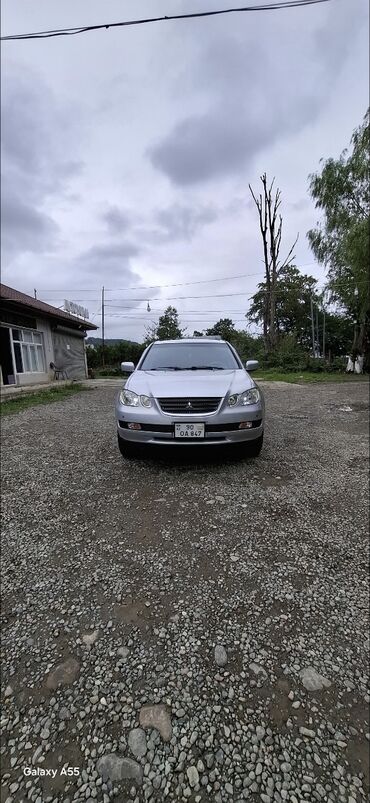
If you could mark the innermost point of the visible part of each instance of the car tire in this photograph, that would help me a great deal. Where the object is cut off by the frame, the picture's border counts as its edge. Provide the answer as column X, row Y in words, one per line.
column 126, row 448
column 253, row 448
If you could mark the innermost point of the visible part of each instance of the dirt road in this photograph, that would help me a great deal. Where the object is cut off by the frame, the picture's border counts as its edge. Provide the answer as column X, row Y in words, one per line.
column 224, row 601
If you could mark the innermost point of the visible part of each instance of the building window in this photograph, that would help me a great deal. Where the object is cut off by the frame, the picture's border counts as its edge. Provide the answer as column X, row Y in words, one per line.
column 28, row 351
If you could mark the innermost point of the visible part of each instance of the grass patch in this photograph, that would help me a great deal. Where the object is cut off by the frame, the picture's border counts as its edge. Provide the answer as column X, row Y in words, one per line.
column 273, row 375
column 25, row 400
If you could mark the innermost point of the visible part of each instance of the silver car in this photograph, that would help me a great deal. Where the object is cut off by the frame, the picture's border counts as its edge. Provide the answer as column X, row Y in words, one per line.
column 190, row 391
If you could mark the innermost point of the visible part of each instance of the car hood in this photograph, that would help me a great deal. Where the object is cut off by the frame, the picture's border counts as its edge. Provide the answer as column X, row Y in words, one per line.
column 189, row 383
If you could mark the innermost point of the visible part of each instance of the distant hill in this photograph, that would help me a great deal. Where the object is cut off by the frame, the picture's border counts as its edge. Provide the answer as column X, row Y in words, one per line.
column 97, row 341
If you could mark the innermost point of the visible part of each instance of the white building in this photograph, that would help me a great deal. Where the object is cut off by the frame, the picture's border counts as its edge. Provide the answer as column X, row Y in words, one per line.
column 35, row 337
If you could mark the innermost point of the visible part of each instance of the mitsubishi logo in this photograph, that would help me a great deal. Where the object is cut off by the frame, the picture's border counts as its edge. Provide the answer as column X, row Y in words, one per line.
column 189, row 405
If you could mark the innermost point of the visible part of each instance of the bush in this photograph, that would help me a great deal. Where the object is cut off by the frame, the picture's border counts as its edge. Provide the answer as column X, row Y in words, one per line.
column 288, row 356
column 108, row 370
column 337, row 364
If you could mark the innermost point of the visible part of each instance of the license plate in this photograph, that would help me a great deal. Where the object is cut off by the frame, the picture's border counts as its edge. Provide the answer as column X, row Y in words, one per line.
column 189, row 431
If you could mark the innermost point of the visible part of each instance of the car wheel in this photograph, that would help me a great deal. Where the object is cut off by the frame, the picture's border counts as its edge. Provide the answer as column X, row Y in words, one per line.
column 253, row 448
column 126, row 448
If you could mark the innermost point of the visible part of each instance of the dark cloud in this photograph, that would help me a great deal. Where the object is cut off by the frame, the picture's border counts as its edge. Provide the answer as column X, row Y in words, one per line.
column 36, row 166
column 300, row 205
column 209, row 146
column 183, row 222
column 107, row 264
column 251, row 98
column 25, row 225
column 108, row 257
column 81, row 278
column 116, row 220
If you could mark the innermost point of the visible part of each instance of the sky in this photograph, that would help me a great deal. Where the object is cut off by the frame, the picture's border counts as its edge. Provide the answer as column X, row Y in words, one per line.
column 127, row 153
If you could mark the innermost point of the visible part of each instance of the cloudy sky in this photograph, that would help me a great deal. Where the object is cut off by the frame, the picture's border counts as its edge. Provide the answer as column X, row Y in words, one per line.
column 127, row 153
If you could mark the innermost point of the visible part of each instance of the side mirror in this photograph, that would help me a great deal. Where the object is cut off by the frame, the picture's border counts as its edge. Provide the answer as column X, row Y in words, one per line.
column 251, row 365
column 127, row 367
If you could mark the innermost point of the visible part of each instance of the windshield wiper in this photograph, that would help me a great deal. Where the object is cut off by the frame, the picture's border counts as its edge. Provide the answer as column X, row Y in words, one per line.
column 188, row 368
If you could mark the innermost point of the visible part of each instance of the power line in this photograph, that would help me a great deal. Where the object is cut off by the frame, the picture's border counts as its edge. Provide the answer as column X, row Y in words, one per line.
column 159, row 286
column 339, row 282
column 145, row 21
column 174, row 298
column 185, row 284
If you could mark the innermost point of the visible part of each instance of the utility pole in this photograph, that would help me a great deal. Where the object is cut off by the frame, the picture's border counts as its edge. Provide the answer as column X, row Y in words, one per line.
column 317, row 330
column 102, row 326
column 323, row 336
column 313, row 329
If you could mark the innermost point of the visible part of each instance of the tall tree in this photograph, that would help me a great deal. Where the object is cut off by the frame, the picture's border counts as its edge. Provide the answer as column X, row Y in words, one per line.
column 340, row 240
column 168, row 327
column 268, row 204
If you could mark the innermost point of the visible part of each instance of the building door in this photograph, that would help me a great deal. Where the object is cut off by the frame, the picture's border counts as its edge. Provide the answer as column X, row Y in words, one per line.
column 6, row 359
column 69, row 353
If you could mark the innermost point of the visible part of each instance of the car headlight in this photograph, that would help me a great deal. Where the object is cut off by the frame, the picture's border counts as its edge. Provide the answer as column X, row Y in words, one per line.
column 251, row 396
column 130, row 399
column 146, row 401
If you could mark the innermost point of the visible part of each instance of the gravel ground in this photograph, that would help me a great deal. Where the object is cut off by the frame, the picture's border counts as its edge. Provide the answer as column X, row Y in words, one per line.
column 186, row 627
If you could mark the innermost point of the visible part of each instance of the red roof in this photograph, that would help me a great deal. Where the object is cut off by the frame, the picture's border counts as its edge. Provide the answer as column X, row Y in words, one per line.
column 9, row 294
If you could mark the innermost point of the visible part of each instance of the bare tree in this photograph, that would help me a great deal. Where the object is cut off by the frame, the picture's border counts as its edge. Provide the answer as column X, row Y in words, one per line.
column 271, row 225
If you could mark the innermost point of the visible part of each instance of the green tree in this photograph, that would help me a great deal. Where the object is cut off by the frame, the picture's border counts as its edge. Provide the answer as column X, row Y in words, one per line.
column 223, row 328
column 293, row 294
column 340, row 240
column 249, row 347
column 338, row 335
column 168, row 327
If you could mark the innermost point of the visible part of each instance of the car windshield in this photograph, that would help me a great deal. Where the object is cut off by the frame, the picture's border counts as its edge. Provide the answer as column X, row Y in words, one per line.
column 190, row 357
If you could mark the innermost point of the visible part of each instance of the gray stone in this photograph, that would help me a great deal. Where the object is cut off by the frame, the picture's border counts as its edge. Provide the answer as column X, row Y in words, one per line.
column 193, row 776
column 312, row 680
column 113, row 767
column 137, row 742
column 63, row 674
column 258, row 670
column 209, row 759
column 64, row 713
column 306, row 732
column 220, row 655
column 158, row 717
column 90, row 638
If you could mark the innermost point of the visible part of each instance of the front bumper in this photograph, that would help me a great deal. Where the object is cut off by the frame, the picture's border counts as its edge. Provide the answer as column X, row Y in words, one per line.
column 221, row 427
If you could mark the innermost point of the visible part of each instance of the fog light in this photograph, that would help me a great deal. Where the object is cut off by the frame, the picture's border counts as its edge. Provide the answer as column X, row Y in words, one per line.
column 246, row 425
column 133, row 426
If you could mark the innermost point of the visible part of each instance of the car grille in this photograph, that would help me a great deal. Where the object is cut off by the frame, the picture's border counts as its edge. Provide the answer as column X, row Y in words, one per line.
column 189, row 404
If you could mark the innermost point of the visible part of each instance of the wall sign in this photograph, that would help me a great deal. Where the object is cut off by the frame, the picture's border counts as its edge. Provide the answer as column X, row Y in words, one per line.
column 75, row 309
